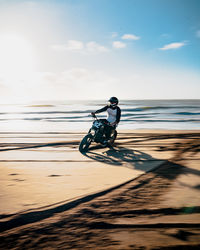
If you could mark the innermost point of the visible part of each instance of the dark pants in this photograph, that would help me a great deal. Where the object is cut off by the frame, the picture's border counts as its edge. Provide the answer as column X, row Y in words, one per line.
column 108, row 129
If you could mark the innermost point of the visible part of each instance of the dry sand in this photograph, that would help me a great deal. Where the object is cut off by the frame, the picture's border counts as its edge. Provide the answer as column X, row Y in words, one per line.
column 142, row 194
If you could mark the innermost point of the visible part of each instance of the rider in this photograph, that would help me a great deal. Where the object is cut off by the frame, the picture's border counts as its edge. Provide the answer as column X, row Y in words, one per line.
column 113, row 117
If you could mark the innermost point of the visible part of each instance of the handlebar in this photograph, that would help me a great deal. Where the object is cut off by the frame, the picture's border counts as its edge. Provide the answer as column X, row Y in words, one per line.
column 94, row 116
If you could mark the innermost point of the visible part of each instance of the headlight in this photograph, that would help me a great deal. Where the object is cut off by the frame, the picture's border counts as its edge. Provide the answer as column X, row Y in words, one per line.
column 92, row 132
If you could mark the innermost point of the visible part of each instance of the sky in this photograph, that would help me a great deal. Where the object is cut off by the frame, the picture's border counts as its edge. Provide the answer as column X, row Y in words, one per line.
column 93, row 49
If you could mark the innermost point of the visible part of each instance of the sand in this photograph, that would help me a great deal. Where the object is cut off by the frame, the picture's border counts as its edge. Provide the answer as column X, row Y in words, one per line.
column 144, row 193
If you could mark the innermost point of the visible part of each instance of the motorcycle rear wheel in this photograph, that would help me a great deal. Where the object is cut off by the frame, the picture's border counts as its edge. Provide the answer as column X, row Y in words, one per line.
column 85, row 143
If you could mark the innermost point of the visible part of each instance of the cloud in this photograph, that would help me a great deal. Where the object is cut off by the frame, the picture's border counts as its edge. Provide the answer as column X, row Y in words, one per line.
column 95, row 47
column 74, row 45
column 118, row 45
column 173, row 46
column 90, row 83
column 198, row 33
column 130, row 37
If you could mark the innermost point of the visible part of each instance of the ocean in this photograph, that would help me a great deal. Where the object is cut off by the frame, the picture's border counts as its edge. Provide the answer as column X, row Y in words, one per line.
column 65, row 116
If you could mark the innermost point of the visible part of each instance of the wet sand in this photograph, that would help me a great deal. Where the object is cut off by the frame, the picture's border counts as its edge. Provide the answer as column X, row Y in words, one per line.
column 141, row 194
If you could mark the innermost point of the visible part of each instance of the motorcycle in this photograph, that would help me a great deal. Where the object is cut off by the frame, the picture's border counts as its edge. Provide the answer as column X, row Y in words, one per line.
column 97, row 133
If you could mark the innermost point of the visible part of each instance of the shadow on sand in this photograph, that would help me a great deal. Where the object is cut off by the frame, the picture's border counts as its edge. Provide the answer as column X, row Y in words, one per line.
column 167, row 171
column 122, row 156
column 118, row 156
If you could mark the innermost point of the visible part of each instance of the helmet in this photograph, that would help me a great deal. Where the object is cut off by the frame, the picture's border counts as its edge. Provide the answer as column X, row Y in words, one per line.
column 113, row 101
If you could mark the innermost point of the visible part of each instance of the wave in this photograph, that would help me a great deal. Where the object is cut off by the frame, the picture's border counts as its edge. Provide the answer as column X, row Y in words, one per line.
column 125, row 111
column 40, row 106
column 159, row 107
column 161, row 120
column 71, row 121
column 84, row 119
column 139, row 115
column 48, row 118
column 49, row 112
column 187, row 113
column 134, row 113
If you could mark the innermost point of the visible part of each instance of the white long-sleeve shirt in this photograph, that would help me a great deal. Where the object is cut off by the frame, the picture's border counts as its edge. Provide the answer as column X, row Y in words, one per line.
column 114, row 114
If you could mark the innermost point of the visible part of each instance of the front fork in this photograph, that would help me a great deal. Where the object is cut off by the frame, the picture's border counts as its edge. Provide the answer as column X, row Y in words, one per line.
column 97, row 136
column 93, row 133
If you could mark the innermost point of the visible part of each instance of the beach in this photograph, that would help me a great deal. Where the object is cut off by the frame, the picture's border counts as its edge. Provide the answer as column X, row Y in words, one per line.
column 122, row 76
column 99, row 125
column 141, row 194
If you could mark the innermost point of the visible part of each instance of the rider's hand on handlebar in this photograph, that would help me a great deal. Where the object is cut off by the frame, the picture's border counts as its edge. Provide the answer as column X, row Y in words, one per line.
column 113, row 123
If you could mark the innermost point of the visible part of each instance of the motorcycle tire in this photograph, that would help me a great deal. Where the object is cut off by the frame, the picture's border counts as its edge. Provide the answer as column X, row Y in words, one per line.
column 85, row 143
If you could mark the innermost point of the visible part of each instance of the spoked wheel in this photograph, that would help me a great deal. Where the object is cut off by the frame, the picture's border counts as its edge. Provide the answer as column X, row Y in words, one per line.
column 85, row 143
column 113, row 137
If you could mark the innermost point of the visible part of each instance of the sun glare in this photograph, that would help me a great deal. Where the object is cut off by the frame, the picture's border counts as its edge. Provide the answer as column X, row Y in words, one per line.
column 17, row 61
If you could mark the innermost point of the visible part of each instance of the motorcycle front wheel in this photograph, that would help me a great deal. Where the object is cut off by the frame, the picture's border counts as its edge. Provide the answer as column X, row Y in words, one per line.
column 85, row 143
